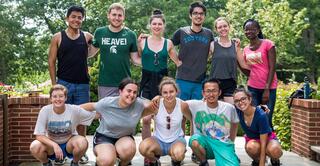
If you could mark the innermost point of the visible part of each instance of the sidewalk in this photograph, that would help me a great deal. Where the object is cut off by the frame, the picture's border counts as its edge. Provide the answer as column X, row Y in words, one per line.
column 288, row 158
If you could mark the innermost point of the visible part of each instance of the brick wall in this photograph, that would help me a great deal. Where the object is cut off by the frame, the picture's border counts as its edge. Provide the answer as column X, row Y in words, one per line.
column 305, row 126
column 1, row 132
column 23, row 114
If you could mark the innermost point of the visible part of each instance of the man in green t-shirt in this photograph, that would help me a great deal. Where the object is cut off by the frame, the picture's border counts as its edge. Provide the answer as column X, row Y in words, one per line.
column 118, row 44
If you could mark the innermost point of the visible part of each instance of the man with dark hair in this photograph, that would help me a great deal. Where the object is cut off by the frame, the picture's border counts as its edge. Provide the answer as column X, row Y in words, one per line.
column 216, row 124
column 194, row 42
column 69, row 49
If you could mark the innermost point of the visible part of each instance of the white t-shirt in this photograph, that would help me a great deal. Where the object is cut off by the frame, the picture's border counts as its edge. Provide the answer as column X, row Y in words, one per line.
column 61, row 127
column 213, row 122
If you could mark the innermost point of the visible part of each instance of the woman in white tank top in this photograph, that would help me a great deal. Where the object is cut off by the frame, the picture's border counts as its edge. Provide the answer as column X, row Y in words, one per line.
column 168, row 137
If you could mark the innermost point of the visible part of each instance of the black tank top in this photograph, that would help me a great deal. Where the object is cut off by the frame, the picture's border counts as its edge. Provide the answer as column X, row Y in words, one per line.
column 72, row 59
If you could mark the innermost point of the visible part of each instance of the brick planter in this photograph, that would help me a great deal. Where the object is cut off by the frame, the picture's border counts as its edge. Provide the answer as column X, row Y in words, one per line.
column 22, row 117
column 305, row 126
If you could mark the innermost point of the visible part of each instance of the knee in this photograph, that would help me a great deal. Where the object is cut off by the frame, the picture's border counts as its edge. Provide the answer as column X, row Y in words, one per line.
column 127, row 154
column 178, row 154
column 105, row 160
column 79, row 145
column 195, row 144
column 275, row 152
column 35, row 148
column 253, row 148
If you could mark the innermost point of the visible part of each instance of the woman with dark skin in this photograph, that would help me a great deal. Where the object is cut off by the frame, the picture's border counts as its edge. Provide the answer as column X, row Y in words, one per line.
column 260, row 58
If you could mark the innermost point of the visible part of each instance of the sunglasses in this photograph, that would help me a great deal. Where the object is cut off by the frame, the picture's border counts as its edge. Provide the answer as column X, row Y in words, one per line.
column 156, row 59
column 168, row 124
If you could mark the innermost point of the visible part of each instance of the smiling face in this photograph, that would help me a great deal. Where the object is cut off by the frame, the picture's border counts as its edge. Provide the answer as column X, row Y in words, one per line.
column 157, row 26
column 242, row 101
column 75, row 19
column 169, row 92
column 197, row 16
column 58, row 98
column 128, row 94
column 116, row 17
column 222, row 27
column 211, row 92
column 251, row 30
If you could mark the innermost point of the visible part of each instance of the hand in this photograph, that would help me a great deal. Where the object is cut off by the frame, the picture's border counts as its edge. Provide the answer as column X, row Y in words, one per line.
column 179, row 63
column 237, row 42
column 265, row 96
column 265, row 108
column 142, row 36
column 58, row 151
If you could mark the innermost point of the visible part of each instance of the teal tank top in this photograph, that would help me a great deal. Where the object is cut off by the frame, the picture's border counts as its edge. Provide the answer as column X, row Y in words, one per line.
column 154, row 61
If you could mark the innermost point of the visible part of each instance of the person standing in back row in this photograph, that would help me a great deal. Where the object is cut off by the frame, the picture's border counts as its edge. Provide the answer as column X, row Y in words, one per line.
column 71, row 48
column 194, row 42
column 118, row 44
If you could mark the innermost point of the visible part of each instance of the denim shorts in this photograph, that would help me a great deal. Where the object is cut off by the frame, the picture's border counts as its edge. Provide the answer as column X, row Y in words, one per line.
column 165, row 147
column 77, row 93
column 64, row 150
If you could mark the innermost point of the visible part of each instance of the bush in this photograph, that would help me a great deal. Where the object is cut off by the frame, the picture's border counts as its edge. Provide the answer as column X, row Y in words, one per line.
column 282, row 116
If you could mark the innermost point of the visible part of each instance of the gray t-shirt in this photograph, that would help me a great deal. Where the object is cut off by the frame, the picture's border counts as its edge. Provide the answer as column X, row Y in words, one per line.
column 193, row 52
column 213, row 122
column 117, row 122
column 60, row 127
column 224, row 62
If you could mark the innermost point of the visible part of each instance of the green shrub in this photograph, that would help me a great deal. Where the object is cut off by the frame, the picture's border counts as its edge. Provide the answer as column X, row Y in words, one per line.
column 282, row 116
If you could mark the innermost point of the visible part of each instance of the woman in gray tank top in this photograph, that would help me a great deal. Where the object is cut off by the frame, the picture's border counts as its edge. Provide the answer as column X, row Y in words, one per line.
column 224, row 53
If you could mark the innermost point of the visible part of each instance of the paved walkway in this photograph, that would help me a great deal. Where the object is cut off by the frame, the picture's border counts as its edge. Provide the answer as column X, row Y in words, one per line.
column 288, row 158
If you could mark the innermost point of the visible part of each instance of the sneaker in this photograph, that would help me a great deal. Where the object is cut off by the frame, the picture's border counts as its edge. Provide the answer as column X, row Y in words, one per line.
column 47, row 164
column 146, row 162
column 130, row 163
column 255, row 163
column 84, row 159
column 156, row 163
column 204, row 163
column 60, row 162
column 275, row 162
column 175, row 163
column 195, row 159
column 73, row 164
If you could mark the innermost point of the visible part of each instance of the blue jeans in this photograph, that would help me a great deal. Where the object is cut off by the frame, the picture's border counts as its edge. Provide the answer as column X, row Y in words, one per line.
column 189, row 90
column 77, row 93
column 257, row 100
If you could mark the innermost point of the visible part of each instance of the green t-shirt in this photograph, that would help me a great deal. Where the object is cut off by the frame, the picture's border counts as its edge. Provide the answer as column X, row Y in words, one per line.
column 115, row 48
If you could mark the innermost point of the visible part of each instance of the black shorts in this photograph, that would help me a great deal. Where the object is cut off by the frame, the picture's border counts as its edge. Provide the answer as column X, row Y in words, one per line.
column 99, row 138
column 227, row 86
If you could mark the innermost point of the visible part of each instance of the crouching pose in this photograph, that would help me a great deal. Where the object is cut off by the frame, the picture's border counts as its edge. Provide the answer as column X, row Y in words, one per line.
column 55, row 130
column 168, row 138
column 119, row 117
column 260, row 140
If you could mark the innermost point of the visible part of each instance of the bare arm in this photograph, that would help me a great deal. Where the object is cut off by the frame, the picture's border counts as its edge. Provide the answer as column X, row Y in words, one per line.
column 272, row 70
column 136, row 59
column 56, row 148
column 92, row 50
column 173, row 53
column 186, row 111
column 211, row 50
column 151, row 107
column 233, row 131
column 240, row 56
column 88, row 106
column 52, row 58
column 263, row 145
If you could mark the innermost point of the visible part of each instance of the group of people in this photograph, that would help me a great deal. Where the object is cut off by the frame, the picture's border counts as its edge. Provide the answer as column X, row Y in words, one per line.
column 213, row 105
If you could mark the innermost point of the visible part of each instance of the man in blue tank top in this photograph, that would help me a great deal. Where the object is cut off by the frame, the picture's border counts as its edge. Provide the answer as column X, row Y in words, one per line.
column 69, row 49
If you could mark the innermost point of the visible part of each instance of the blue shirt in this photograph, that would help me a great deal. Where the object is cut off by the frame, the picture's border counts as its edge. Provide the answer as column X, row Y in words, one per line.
column 259, row 125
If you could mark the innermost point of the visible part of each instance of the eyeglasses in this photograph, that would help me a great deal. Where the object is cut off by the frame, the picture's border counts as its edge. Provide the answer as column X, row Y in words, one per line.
column 242, row 99
column 168, row 124
column 156, row 59
column 212, row 91
column 197, row 14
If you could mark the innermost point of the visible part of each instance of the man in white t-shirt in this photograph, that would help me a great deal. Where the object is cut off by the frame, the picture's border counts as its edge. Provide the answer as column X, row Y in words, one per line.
column 55, row 130
column 215, row 127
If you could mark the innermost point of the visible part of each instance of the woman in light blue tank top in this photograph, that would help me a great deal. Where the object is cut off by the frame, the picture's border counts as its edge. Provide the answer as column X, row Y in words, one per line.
column 168, row 137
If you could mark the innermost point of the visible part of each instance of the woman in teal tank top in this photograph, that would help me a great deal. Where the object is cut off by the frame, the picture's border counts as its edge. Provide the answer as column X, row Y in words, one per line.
column 154, row 51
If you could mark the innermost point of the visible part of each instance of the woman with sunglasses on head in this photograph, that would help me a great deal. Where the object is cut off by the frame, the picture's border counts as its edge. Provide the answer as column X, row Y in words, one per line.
column 168, row 138
column 119, row 117
column 154, row 51
column 260, row 58
column 260, row 140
